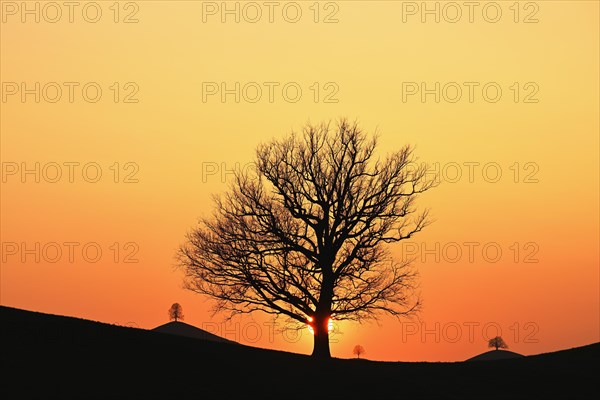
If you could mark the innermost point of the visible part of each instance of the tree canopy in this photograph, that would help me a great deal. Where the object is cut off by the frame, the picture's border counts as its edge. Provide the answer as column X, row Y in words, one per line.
column 498, row 343
column 305, row 234
column 175, row 312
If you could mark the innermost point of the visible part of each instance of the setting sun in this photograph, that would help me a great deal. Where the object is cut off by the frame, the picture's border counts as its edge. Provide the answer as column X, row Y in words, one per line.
column 311, row 330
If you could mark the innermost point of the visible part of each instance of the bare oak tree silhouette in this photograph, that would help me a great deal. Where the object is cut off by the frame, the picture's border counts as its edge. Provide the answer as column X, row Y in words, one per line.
column 304, row 234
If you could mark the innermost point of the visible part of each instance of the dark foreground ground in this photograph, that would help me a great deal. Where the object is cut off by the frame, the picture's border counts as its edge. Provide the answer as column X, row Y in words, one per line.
column 47, row 356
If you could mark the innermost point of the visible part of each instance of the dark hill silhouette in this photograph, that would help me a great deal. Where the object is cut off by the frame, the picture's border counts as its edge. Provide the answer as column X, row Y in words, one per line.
column 183, row 329
column 495, row 355
column 49, row 356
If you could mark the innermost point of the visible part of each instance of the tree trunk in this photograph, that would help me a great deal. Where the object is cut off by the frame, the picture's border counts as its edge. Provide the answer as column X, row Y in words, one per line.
column 322, row 315
column 321, row 337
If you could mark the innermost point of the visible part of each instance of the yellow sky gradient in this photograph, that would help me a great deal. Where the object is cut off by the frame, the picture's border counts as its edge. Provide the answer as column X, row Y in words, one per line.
column 546, row 200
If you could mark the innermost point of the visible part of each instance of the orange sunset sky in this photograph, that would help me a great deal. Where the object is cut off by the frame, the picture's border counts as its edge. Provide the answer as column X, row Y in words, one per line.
column 119, row 120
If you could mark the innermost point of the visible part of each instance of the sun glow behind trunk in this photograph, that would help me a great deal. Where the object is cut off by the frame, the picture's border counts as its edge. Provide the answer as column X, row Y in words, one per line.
column 312, row 331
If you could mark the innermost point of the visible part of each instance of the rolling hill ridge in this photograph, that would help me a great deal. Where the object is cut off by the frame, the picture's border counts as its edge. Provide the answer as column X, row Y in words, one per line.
column 53, row 356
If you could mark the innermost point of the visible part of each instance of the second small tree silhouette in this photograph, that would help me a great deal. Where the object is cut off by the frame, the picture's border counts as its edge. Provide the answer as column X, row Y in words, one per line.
column 358, row 350
column 176, row 312
column 498, row 343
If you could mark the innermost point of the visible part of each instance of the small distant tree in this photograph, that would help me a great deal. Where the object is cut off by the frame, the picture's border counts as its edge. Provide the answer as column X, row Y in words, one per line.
column 176, row 312
column 498, row 343
column 358, row 350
